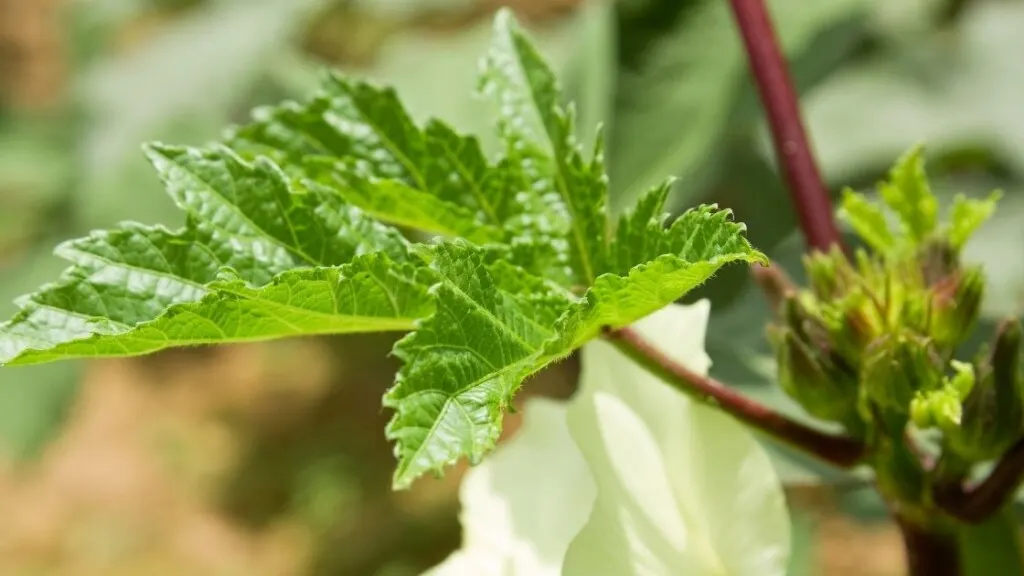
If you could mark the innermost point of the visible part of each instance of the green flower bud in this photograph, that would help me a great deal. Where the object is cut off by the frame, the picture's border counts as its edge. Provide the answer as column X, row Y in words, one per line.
column 896, row 367
column 955, row 305
column 993, row 411
column 810, row 371
column 938, row 259
column 854, row 325
column 830, row 274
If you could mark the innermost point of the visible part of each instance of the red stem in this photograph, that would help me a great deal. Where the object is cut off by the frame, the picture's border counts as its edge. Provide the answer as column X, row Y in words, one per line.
column 929, row 553
column 792, row 148
column 840, row 451
column 981, row 501
column 978, row 502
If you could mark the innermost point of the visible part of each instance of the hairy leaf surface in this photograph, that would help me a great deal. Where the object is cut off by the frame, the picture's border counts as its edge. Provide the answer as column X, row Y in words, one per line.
column 655, row 266
column 868, row 220
column 463, row 364
column 359, row 139
column 495, row 325
column 288, row 234
column 968, row 214
column 909, row 195
column 541, row 137
column 255, row 261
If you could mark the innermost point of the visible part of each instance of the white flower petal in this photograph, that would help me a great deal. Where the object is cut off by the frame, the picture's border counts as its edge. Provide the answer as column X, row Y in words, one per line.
column 682, row 489
column 678, row 331
column 526, row 502
column 635, row 528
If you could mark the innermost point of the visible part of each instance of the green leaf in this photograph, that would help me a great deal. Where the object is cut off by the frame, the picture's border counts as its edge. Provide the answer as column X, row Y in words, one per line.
column 1004, row 285
column 397, row 203
column 463, row 364
column 257, row 260
column 868, row 220
column 253, row 207
column 968, row 214
column 283, row 238
column 360, row 140
column 495, row 325
column 908, row 194
column 641, row 225
column 133, row 306
column 541, row 136
column 656, row 268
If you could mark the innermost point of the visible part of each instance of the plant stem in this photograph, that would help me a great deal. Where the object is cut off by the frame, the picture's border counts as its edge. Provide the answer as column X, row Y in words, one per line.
column 929, row 553
column 978, row 503
column 840, row 451
column 792, row 148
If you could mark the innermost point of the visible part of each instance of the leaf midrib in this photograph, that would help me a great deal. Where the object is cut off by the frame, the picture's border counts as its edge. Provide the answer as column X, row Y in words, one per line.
column 147, row 271
column 409, row 323
column 563, row 187
column 474, row 186
column 262, row 233
column 398, row 154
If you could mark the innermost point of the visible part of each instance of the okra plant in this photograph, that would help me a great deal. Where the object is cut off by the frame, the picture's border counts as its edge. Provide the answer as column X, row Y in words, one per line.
column 340, row 214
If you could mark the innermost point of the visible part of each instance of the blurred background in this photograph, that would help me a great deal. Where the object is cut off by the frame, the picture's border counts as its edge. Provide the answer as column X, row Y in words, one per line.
column 270, row 459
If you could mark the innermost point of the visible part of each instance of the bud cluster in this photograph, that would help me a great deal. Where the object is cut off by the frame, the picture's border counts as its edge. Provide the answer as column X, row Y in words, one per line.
column 870, row 342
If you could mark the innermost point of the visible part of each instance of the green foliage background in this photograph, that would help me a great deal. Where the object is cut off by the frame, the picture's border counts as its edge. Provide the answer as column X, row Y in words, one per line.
column 666, row 78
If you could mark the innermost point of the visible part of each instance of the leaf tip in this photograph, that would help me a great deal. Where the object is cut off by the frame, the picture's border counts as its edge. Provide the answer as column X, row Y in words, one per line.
column 156, row 149
column 401, row 480
column 505, row 20
column 758, row 257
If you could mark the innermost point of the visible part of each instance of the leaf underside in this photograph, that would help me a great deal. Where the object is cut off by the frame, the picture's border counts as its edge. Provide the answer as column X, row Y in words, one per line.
column 291, row 231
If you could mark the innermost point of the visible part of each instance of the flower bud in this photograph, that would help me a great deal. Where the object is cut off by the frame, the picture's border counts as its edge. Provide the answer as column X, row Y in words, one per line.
column 830, row 274
column 955, row 305
column 855, row 325
column 896, row 367
column 938, row 259
column 993, row 411
column 810, row 371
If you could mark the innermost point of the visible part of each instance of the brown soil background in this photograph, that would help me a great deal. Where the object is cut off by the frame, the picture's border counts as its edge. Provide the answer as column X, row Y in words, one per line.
column 185, row 463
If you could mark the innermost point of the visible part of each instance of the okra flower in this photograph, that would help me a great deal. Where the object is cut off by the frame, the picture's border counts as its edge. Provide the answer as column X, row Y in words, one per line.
column 629, row 477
